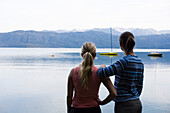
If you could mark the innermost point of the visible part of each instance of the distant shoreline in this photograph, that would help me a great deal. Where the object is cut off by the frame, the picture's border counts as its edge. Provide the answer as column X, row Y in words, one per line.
column 78, row 50
column 33, row 39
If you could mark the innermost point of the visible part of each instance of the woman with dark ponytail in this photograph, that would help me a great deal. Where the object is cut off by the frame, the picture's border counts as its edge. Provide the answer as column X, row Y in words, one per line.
column 127, row 42
column 128, row 73
column 85, row 83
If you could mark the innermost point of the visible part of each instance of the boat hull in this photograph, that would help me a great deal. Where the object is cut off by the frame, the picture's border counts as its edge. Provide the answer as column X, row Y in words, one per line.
column 155, row 54
column 111, row 53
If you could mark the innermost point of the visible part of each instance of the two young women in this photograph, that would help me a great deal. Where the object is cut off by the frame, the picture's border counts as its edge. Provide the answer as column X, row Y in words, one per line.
column 85, row 81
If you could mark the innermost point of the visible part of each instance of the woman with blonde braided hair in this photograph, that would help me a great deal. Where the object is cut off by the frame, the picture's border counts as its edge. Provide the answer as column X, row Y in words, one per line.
column 85, row 83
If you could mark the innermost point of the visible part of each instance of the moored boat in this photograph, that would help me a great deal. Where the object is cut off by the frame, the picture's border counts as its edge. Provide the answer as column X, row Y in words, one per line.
column 155, row 54
column 110, row 53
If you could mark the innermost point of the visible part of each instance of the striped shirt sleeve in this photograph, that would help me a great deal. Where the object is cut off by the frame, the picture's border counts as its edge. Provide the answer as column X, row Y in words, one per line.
column 113, row 69
column 140, row 82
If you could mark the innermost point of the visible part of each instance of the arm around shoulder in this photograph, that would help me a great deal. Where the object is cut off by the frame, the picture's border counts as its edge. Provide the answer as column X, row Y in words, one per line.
column 104, row 71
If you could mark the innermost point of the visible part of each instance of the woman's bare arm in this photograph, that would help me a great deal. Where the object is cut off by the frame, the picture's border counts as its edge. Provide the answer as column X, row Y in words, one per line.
column 70, row 87
column 112, row 91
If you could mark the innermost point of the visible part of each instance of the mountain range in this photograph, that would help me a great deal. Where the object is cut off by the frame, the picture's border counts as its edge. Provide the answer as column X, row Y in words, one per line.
column 75, row 39
column 118, row 31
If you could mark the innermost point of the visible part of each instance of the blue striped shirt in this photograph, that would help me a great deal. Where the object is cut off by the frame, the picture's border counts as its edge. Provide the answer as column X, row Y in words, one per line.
column 128, row 73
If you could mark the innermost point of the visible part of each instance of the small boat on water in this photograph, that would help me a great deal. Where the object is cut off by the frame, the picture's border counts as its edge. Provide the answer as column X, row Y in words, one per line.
column 110, row 53
column 155, row 54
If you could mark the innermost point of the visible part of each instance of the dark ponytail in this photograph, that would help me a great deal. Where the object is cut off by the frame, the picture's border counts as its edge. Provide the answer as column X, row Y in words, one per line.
column 127, row 42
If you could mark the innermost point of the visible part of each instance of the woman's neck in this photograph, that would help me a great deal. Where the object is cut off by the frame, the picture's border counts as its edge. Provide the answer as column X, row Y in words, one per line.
column 130, row 53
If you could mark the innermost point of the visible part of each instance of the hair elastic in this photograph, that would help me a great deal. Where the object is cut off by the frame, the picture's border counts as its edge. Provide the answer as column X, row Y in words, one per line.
column 93, row 54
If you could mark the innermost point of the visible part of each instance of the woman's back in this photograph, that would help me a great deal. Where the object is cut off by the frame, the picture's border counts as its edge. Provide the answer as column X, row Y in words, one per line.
column 85, row 98
column 129, row 80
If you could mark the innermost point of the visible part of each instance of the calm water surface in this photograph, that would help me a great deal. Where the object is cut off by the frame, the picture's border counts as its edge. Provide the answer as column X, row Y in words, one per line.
column 31, row 81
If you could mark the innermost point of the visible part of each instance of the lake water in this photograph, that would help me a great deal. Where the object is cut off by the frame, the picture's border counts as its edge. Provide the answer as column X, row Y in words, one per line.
column 32, row 81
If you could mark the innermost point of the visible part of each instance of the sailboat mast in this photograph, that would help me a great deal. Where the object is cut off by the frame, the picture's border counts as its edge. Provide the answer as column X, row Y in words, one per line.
column 110, row 53
column 111, row 37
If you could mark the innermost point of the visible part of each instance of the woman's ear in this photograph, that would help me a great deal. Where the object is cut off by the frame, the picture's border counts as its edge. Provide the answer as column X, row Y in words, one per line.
column 120, row 44
column 81, row 54
column 121, row 47
column 94, row 55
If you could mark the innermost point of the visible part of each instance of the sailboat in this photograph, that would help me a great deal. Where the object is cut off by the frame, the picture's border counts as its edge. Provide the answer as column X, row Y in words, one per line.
column 155, row 54
column 110, row 53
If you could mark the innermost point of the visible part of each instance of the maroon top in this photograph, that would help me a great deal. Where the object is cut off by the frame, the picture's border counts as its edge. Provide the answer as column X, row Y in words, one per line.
column 85, row 98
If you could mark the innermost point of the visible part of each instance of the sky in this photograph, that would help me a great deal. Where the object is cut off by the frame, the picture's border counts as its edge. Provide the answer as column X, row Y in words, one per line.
column 83, row 14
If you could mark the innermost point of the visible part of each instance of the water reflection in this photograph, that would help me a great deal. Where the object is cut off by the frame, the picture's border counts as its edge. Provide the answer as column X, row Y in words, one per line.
column 35, row 82
column 111, row 57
